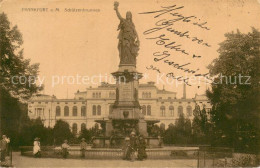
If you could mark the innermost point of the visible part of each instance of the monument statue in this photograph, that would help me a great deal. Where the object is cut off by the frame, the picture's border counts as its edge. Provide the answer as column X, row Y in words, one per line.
column 128, row 44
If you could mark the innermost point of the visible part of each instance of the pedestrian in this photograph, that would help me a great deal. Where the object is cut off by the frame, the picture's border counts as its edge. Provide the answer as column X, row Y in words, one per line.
column 8, row 145
column 83, row 147
column 125, row 147
column 65, row 149
column 37, row 148
column 3, row 147
column 141, row 146
column 131, row 149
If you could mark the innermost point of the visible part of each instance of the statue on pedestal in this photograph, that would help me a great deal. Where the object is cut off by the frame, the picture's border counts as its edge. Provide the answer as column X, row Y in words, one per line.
column 128, row 45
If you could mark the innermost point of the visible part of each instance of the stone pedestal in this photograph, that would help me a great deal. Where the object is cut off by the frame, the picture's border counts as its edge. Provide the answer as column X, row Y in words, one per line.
column 126, row 106
column 109, row 128
column 126, row 115
column 142, row 125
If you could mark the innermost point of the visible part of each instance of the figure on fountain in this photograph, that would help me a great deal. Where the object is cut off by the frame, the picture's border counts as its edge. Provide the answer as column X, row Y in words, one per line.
column 128, row 44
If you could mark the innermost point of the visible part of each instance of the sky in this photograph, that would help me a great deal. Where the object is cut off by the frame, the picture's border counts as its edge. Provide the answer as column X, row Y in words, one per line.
column 70, row 45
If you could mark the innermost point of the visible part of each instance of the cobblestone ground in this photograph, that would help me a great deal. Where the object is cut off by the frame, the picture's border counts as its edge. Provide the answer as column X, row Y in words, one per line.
column 21, row 161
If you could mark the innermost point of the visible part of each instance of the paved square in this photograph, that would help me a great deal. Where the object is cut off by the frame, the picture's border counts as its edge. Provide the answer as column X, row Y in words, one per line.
column 22, row 161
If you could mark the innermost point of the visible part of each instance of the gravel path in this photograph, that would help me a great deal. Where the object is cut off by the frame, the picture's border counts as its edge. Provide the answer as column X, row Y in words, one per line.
column 21, row 161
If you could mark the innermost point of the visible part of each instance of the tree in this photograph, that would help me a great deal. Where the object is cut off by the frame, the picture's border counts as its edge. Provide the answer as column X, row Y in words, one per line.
column 169, row 137
column 88, row 134
column 179, row 133
column 61, row 132
column 183, row 130
column 32, row 129
column 201, row 128
column 13, row 65
column 235, row 91
column 14, row 93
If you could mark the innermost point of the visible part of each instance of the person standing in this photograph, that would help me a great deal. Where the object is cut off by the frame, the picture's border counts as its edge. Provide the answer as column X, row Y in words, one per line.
column 83, row 147
column 131, row 149
column 125, row 147
column 141, row 146
column 65, row 149
column 3, row 148
column 36, row 148
column 8, row 145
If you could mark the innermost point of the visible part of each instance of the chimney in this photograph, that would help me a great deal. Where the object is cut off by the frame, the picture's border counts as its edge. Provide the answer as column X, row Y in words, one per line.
column 184, row 91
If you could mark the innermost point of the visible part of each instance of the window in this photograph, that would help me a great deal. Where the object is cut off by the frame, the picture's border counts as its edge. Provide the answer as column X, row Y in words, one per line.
column 98, row 110
column 74, row 128
column 83, row 110
column 111, row 109
column 149, row 110
column 74, row 111
column 58, row 111
column 146, row 95
column 171, row 110
column 96, row 95
column 66, row 111
column 189, row 111
column 39, row 112
column 83, row 126
column 112, row 95
column 180, row 110
column 94, row 110
column 144, row 110
column 162, row 108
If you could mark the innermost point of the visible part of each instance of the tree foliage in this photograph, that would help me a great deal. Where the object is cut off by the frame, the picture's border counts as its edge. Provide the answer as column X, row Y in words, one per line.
column 180, row 132
column 13, row 64
column 235, row 91
column 61, row 132
column 201, row 126
column 32, row 129
column 13, row 94
column 88, row 134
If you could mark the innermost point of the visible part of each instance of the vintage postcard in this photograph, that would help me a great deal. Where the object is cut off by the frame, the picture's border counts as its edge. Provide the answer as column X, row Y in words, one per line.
column 129, row 83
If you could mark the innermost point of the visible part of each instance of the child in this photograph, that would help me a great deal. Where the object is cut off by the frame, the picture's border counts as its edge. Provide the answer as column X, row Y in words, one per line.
column 36, row 148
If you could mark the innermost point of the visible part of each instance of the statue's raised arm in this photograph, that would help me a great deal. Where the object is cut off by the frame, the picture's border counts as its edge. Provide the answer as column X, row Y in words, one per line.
column 116, row 4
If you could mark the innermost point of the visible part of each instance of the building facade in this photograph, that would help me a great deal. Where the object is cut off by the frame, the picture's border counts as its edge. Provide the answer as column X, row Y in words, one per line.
column 96, row 104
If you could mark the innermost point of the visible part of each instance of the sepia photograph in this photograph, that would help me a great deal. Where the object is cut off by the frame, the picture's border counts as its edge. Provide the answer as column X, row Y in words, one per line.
column 130, row 83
